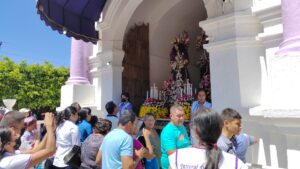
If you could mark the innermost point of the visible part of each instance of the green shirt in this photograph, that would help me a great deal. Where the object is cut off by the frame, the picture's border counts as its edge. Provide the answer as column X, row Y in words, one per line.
column 172, row 138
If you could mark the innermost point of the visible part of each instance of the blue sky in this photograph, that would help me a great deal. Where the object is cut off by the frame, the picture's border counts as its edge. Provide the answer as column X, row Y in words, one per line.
column 26, row 37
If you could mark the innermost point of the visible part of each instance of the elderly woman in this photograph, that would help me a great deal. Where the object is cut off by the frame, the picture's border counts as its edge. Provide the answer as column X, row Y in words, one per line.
column 92, row 143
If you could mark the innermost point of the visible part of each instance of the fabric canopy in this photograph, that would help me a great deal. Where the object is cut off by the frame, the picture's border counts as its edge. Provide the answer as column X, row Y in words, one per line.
column 75, row 18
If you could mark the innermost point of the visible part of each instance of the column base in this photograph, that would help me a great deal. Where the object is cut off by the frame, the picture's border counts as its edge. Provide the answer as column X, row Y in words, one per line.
column 289, row 46
column 78, row 80
column 83, row 94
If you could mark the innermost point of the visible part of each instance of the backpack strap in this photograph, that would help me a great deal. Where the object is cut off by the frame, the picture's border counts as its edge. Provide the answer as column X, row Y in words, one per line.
column 176, row 157
column 236, row 162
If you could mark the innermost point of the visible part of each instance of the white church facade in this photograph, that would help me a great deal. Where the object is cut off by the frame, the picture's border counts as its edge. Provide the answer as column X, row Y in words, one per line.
column 253, row 63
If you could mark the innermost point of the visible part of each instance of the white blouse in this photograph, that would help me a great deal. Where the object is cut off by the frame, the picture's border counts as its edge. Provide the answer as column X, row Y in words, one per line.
column 15, row 161
column 196, row 158
column 67, row 135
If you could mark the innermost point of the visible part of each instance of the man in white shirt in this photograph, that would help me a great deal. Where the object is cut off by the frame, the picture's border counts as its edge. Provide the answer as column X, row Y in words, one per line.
column 112, row 111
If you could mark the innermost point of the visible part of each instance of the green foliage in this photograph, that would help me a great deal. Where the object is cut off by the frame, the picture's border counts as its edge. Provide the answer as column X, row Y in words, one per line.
column 34, row 86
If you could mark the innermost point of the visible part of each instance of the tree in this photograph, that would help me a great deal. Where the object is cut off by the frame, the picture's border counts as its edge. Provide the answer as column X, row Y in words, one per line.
column 36, row 86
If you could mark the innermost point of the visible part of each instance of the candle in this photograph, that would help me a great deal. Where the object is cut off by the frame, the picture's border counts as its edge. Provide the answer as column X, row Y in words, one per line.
column 159, row 95
column 155, row 92
column 147, row 94
column 151, row 92
column 195, row 90
column 180, row 92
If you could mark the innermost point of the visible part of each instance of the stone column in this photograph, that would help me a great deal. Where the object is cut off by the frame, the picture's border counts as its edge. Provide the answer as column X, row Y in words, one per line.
column 78, row 87
column 78, row 63
column 291, row 25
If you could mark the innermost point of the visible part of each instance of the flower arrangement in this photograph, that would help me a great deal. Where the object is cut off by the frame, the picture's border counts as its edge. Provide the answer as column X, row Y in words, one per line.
column 158, row 112
column 153, row 106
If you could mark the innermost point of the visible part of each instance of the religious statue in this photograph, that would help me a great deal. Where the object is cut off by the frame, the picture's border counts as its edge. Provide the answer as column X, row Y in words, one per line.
column 179, row 58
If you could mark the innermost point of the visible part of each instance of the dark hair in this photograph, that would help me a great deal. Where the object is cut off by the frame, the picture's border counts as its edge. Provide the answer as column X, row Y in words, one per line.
column 126, row 117
column 82, row 114
column 146, row 115
column 94, row 120
column 11, row 118
column 66, row 114
column 103, row 126
column 89, row 110
column 76, row 105
column 125, row 94
column 208, row 128
column 5, row 137
column 110, row 106
column 230, row 114
column 201, row 90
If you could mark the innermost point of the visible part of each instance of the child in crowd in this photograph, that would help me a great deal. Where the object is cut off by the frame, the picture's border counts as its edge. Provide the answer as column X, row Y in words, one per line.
column 30, row 135
column 231, row 127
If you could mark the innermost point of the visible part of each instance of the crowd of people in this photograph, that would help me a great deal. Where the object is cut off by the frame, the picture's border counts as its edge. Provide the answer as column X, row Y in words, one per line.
column 122, row 140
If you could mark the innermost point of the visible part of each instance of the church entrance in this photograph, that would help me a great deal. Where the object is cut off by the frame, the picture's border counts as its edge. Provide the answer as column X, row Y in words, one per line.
column 135, row 77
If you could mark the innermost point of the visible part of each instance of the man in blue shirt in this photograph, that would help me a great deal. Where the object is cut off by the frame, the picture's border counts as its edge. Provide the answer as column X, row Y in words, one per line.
column 116, row 150
column 125, row 104
column 84, row 126
column 197, row 105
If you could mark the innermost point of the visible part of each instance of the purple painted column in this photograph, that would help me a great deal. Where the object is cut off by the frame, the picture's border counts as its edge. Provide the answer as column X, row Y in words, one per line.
column 291, row 27
column 88, row 51
column 78, row 63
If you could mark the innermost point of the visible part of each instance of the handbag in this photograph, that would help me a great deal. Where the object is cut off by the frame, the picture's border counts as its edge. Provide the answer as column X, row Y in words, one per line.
column 73, row 158
column 48, row 164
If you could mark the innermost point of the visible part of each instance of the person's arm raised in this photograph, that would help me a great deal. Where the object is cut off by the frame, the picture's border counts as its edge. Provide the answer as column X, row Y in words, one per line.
column 149, row 152
column 50, row 147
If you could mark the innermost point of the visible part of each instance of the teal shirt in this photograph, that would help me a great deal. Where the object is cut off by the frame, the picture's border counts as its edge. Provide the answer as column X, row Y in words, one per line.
column 172, row 138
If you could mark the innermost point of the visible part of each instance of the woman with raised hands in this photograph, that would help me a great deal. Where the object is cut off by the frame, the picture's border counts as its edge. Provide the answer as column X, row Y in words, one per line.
column 12, row 159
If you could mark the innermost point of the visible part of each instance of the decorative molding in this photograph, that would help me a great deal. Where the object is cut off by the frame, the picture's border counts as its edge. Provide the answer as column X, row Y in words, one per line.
column 107, row 69
column 237, row 24
column 233, row 43
column 274, row 112
column 271, row 41
column 109, row 12
column 270, row 16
